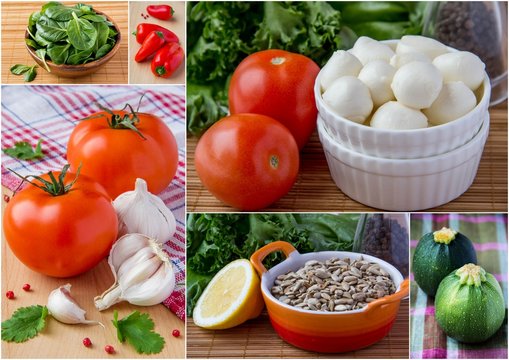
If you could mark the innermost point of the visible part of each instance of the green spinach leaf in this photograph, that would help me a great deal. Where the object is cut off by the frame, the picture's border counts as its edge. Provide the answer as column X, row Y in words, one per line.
column 32, row 43
column 50, row 29
column 62, row 13
column 79, row 57
column 41, row 53
column 58, row 53
column 103, row 50
column 30, row 74
column 19, row 69
column 50, row 5
column 102, row 35
column 82, row 34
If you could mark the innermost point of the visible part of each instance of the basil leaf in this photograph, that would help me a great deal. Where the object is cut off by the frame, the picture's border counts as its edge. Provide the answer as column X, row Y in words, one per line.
column 59, row 53
column 19, row 69
column 41, row 53
column 50, row 29
column 82, row 34
column 103, row 50
column 31, row 74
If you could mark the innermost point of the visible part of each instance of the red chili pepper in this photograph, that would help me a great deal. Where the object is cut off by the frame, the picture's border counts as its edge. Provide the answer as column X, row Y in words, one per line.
column 153, row 42
column 162, row 12
column 143, row 29
column 167, row 60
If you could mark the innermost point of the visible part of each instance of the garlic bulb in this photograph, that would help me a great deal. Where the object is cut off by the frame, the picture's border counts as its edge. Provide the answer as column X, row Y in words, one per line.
column 143, row 273
column 141, row 212
column 65, row 309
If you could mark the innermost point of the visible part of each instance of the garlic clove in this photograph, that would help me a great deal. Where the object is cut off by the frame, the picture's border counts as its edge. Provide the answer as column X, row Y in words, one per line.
column 137, row 294
column 139, row 211
column 145, row 278
column 124, row 249
column 63, row 307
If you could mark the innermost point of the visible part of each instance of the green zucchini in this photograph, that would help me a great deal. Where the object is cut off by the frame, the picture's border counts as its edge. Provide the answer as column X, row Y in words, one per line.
column 469, row 305
column 437, row 254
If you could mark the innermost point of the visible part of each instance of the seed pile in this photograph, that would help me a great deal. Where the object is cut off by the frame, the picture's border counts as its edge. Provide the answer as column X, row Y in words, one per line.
column 333, row 285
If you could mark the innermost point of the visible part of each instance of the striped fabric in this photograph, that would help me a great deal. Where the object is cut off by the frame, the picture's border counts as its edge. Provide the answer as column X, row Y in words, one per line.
column 488, row 232
column 30, row 113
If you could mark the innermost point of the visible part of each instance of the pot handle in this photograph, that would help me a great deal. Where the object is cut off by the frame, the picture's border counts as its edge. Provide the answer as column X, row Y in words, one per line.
column 397, row 296
column 259, row 255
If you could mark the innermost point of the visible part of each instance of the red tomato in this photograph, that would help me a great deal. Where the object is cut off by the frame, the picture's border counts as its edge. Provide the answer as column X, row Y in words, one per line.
column 115, row 157
column 63, row 235
column 278, row 84
column 248, row 161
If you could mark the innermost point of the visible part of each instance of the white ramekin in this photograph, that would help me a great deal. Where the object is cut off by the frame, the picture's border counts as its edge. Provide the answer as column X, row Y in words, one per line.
column 405, row 144
column 404, row 184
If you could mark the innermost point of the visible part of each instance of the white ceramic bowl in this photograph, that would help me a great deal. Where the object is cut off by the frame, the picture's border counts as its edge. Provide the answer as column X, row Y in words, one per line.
column 404, row 184
column 405, row 144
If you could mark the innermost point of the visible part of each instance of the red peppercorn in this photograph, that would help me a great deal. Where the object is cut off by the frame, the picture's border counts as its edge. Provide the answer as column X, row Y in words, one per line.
column 6, row 198
column 87, row 342
column 175, row 333
column 26, row 287
column 109, row 349
column 10, row 294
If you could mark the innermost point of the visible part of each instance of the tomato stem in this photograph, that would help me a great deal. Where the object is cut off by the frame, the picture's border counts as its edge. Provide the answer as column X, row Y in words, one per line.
column 117, row 121
column 55, row 187
column 274, row 161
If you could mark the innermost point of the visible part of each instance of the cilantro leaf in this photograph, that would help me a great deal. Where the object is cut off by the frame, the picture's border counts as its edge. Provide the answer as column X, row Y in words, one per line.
column 25, row 323
column 23, row 150
column 138, row 329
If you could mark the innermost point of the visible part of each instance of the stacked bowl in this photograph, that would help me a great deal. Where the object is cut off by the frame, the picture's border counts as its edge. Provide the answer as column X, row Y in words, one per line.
column 404, row 170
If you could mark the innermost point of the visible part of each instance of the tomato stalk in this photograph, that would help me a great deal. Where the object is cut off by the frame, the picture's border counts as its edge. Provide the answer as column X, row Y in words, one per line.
column 126, row 121
column 55, row 187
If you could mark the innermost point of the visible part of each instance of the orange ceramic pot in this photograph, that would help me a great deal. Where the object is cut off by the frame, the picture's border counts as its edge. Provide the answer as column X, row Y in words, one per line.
column 327, row 331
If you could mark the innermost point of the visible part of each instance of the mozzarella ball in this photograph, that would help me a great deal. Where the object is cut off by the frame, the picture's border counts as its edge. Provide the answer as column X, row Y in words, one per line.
column 377, row 75
column 340, row 64
column 454, row 101
column 402, row 59
column 417, row 84
column 366, row 49
column 416, row 43
column 349, row 98
column 461, row 66
column 396, row 116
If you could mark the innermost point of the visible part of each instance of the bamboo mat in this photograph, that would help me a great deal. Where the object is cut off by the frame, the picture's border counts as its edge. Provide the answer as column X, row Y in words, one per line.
column 315, row 190
column 256, row 339
column 14, row 21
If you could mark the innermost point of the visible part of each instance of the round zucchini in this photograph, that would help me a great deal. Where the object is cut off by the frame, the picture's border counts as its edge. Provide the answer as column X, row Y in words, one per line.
column 437, row 254
column 469, row 305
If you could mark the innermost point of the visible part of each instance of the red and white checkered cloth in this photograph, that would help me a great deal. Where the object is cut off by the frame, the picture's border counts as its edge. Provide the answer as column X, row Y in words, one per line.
column 30, row 113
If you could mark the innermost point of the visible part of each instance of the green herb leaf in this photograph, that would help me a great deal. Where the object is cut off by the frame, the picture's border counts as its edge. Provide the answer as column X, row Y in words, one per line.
column 25, row 323
column 23, row 150
column 30, row 74
column 19, row 69
column 138, row 329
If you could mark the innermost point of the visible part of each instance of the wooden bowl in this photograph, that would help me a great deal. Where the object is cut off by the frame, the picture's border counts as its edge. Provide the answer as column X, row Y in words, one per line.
column 74, row 71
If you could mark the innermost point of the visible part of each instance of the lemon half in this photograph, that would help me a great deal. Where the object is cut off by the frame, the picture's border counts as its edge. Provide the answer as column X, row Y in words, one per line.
column 232, row 297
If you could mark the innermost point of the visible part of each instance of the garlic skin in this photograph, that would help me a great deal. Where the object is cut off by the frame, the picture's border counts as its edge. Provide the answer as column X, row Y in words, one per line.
column 141, row 212
column 143, row 273
column 65, row 309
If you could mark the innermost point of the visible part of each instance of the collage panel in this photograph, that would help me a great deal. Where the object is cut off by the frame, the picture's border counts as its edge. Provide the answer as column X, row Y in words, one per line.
column 85, row 176
column 168, row 64
column 458, row 303
column 43, row 43
column 297, row 285
column 392, row 133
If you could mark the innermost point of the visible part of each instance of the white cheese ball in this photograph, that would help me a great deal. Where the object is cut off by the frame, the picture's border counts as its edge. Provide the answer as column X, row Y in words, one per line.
column 396, row 116
column 454, row 101
column 417, row 84
column 349, row 98
column 402, row 59
column 416, row 43
column 377, row 75
column 366, row 49
column 340, row 64
column 461, row 66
